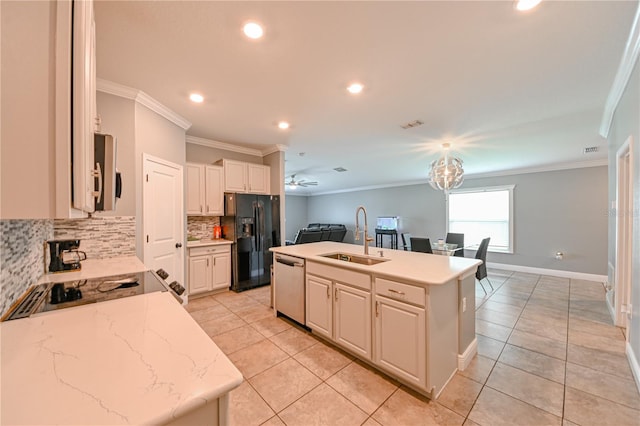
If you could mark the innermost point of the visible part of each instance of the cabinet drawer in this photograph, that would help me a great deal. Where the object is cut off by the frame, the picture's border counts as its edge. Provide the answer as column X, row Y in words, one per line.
column 201, row 251
column 345, row 276
column 399, row 291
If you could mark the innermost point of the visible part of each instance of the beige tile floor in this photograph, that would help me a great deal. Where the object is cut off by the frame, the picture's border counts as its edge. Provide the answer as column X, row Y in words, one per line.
column 547, row 355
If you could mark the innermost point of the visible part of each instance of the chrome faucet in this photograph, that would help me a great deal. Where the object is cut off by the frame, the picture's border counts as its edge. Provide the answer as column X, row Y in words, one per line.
column 367, row 238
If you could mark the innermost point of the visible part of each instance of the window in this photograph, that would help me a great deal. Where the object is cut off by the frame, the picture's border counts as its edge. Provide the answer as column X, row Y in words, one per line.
column 479, row 213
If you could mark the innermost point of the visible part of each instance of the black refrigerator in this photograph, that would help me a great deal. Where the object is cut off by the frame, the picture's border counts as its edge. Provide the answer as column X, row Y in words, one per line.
column 252, row 222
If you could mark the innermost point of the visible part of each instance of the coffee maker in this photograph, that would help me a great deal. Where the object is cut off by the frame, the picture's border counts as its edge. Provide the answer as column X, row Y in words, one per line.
column 64, row 255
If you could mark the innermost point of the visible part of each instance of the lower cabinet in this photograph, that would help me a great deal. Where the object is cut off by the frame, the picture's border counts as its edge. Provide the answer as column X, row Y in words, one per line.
column 209, row 268
column 400, row 339
column 338, row 311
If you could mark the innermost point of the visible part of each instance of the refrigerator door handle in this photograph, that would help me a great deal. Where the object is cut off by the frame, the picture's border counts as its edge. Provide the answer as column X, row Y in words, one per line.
column 262, row 224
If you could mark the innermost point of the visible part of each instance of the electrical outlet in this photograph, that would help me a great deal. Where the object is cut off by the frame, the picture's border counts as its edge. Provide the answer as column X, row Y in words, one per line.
column 464, row 304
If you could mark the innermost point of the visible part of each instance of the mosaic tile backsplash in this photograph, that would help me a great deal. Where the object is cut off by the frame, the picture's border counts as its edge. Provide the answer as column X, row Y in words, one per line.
column 21, row 256
column 101, row 237
column 201, row 227
column 22, row 250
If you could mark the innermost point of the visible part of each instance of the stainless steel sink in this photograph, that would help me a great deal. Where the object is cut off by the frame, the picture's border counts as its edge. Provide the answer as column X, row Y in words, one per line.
column 354, row 258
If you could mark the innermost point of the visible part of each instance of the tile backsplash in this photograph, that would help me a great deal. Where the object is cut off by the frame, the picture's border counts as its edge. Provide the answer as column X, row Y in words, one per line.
column 101, row 237
column 22, row 253
column 21, row 256
column 201, row 227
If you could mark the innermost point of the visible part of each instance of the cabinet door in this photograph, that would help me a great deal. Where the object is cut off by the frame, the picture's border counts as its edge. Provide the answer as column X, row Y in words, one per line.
column 235, row 176
column 214, row 191
column 258, row 178
column 195, row 189
column 221, row 271
column 400, row 340
column 319, row 305
column 353, row 319
column 200, row 274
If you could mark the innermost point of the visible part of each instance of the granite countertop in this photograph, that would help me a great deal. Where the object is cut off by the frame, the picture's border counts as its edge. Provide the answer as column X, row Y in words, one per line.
column 202, row 243
column 136, row 360
column 419, row 268
column 94, row 268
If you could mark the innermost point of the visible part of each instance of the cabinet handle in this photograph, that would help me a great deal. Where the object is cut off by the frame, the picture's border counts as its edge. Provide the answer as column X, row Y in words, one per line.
column 207, row 262
column 214, row 261
column 336, row 294
column 201, row 208
column 377, row 308
column 207, row 208
column 396, row 291
column 328, row 295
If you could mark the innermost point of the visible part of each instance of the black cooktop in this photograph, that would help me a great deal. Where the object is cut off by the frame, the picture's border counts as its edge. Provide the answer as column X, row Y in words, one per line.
column 52, row 296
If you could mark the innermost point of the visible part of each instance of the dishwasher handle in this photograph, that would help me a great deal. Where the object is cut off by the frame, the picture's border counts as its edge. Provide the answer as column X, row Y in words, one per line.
column 289, row 262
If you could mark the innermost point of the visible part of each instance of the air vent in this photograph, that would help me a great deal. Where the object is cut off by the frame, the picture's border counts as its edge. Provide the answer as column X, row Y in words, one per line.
column 590, row 150
column 340, row 169
column 414, row 123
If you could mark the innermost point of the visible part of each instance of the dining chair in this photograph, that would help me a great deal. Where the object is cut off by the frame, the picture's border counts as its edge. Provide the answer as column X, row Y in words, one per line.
column 421, row 244
column 406, row 241
column 454, row 238
column 481, row 272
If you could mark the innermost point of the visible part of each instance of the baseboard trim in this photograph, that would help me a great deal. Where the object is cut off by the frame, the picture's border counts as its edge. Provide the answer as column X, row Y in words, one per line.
column 610, row 308
column 633, row 363
column 465, row 359
column 552, row 272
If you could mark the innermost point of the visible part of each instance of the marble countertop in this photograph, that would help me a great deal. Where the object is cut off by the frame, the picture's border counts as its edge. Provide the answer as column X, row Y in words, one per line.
column 202, row 243
column 136, row 360
column 419, row 268
column 94, row 268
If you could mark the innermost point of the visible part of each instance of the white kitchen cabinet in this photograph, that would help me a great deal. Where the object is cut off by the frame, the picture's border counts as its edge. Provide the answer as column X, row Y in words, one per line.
column 339, row 306
column 319, row 305
column 205, row 192
column 38, row 127
column 246, row 177
column 209, row 268
column 353, row 319
column 400, row 332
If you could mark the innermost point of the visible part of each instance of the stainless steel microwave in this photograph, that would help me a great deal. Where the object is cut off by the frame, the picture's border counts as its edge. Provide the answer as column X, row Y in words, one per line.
column 108, row 183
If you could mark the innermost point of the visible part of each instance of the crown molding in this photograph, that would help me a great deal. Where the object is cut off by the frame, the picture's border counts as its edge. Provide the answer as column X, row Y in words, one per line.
column 142, row 98
column 511, row 172
column 627, row 63
column 274, row 148
column 222, row 145
column 541, row 169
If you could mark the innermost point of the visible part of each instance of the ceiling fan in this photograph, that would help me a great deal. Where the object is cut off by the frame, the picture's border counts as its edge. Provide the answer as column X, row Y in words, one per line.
column 293, row 183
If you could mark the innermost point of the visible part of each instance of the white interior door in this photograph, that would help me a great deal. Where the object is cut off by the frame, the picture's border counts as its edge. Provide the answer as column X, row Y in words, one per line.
column 624, row 231
column 163, row 217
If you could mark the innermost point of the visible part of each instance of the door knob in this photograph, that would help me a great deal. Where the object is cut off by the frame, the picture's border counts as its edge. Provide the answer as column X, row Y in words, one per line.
column 178, row 245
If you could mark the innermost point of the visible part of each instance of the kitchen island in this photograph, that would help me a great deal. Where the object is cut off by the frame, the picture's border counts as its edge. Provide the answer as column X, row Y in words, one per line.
column 409, row 314
column 135, row 360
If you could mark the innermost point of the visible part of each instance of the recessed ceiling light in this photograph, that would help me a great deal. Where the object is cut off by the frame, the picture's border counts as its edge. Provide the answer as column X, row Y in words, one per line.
column 195, row 97
column 283, row 125
column 253, row 30
column 523, row 5
column 355, row 88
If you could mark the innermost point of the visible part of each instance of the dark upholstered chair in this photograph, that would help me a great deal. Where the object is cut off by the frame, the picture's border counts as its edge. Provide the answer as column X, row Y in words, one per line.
column 453, row 238
column 421, row 244
column 481, row 273
column 406, row 241
column 308, row 237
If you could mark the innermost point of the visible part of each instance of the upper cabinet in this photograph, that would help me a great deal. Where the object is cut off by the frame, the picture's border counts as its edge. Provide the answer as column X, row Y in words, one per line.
column 246, row 177
column 48, row 47
column 205, row 191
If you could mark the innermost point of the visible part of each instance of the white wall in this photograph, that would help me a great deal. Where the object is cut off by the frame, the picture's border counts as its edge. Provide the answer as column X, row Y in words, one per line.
column 296, row 215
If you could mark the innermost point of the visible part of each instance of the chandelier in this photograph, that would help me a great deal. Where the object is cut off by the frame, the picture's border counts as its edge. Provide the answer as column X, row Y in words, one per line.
column 446, row 173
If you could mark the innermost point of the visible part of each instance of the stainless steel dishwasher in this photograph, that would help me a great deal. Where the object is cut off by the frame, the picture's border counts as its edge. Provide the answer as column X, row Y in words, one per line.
column 289, row 287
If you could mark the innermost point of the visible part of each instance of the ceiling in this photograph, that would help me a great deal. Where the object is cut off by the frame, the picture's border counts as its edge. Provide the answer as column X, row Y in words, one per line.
column 509, row 90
